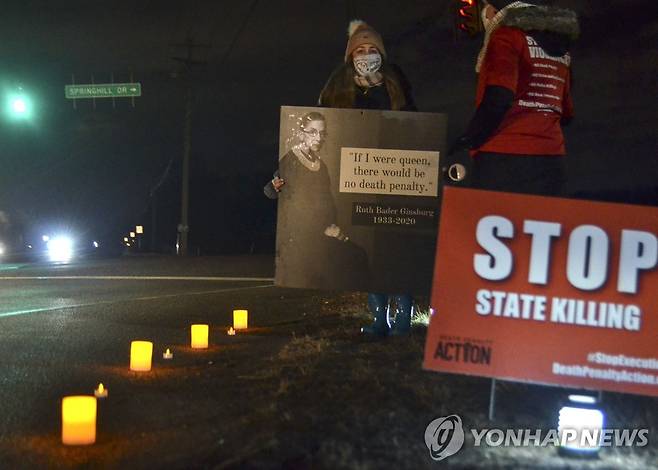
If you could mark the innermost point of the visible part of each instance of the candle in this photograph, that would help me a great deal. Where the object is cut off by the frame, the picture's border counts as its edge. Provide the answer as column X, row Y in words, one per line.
column 141, row 353
column 231, row 332
column 78, row 420
column 199, row 336
column 101, row 391
column 167, row 354
column 240, row 319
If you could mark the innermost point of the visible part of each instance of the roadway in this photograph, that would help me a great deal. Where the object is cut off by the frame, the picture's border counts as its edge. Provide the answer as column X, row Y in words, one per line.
column 66, row 327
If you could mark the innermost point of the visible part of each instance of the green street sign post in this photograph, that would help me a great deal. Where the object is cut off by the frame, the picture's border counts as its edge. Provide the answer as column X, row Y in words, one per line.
column 103, row 90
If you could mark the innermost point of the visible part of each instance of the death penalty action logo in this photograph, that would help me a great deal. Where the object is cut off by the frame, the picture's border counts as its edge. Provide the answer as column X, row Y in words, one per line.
column 444, row 437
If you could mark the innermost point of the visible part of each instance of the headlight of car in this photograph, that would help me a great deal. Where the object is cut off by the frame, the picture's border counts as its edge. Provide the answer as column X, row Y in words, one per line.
column 60, row 249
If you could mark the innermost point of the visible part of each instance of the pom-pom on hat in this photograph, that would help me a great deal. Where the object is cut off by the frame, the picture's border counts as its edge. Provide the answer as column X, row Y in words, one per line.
column 359, row 33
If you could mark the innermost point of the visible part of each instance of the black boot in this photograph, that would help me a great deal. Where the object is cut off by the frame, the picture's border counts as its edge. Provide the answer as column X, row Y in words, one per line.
column 403, row 311
column 378, row 304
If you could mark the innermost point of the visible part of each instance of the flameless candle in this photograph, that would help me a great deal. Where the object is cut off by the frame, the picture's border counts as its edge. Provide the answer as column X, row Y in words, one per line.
column 578, row 418
column 101, row 391
column 78, row 420
column 240, row 319
column 231, row 332
column 141, row 353
column 167, row 354
column 199, row 336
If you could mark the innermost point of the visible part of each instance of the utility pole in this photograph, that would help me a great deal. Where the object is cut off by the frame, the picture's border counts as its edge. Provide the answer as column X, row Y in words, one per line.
column 188, row 62
column 184, row 227
column 154, row 221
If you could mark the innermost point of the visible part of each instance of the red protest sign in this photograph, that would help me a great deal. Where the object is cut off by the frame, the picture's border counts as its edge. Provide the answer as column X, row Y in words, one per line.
column 546, row 290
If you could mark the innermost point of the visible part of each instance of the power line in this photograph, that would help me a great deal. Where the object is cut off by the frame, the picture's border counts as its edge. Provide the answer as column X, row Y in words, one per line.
column 188, row 61
column 239, row 31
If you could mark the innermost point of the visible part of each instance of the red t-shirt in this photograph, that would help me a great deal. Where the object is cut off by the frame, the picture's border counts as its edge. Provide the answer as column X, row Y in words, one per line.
column 541, row 86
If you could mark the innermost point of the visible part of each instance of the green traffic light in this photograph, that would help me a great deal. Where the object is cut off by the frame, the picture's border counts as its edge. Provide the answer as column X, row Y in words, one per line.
column 19, row 106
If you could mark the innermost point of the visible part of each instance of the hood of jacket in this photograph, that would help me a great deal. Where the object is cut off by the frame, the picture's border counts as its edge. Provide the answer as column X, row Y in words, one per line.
column 340, row 91
column 554, row 29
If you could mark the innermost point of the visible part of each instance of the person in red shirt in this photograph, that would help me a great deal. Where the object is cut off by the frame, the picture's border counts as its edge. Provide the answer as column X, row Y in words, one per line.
column 523, row 98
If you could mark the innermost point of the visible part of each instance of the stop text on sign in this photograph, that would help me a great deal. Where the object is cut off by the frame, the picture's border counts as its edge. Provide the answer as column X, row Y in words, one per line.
column 588, row 256
column 587, row 269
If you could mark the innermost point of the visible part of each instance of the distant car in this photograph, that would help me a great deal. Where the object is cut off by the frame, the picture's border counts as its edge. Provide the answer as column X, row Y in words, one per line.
column 63, row 248
column 49, row 242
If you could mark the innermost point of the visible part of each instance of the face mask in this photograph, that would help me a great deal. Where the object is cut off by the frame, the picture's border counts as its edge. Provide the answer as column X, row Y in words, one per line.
column 367, row 64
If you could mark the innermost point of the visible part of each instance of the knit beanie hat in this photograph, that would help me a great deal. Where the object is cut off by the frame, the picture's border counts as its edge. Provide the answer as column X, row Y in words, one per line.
column 359, row 33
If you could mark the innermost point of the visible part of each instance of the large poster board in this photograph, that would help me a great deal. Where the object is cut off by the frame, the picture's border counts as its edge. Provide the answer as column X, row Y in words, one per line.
column 546, row 290
column 359, row 208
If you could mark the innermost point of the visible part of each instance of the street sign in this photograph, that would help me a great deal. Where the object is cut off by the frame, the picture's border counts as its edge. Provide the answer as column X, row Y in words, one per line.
column 103, row 90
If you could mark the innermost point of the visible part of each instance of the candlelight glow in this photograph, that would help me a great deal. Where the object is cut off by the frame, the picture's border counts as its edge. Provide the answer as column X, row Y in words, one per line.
column 101, row 391
column 168, row 354
column 199, row 336
column 240, row 319
column 141, row 353
column 231, row 332
column 78, row 420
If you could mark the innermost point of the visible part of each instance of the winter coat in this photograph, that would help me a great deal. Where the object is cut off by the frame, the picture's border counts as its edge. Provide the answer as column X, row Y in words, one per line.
column 341, row 91
column 528, row 54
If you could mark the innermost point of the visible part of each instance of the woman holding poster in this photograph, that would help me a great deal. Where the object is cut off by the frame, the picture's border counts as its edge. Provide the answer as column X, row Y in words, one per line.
column 366, row 80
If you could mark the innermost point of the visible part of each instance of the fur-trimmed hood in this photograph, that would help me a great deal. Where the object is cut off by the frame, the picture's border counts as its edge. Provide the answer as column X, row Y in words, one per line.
column 555, row 29
column 340, row 91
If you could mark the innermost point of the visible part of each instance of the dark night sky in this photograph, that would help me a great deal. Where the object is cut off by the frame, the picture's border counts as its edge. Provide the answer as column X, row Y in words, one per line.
column 95, row 167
